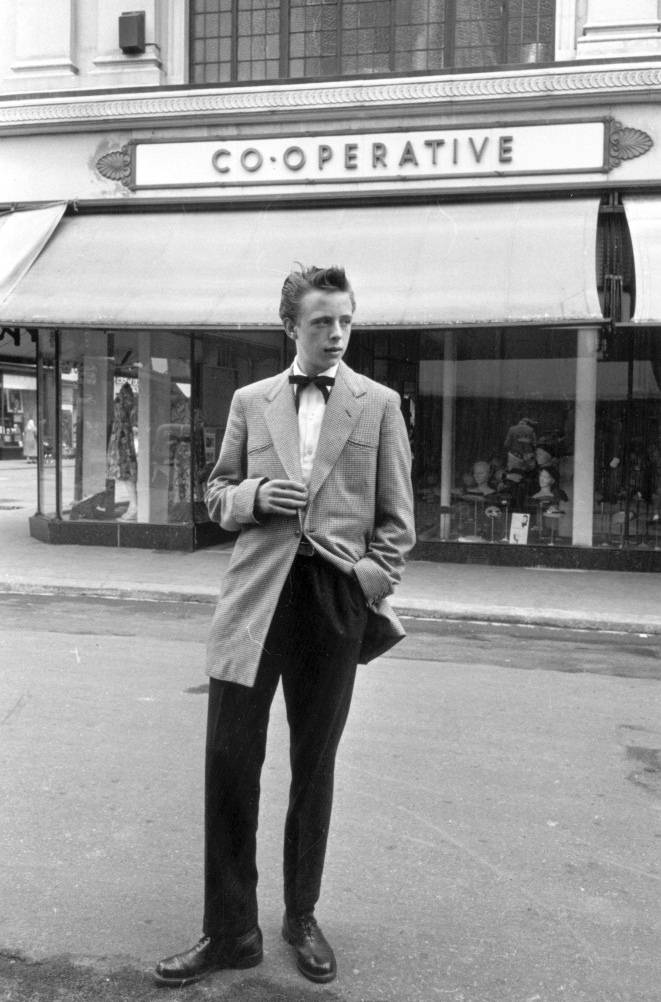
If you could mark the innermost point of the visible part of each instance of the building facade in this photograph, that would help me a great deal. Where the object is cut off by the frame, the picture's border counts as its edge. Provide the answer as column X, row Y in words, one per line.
column 488, row 172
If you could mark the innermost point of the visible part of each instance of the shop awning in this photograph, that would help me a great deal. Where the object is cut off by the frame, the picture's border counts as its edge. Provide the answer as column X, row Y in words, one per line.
column 643, row 214
column 411, row 265
column 23, row 235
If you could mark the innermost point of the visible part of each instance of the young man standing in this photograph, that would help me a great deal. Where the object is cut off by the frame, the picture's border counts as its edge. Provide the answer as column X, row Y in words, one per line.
column 314, row 474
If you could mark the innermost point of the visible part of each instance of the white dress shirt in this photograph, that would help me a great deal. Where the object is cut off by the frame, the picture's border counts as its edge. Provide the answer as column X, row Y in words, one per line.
column 311, row 411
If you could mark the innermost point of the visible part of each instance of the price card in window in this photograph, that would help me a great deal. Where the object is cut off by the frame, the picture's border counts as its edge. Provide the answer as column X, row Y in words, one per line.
column 519, row 527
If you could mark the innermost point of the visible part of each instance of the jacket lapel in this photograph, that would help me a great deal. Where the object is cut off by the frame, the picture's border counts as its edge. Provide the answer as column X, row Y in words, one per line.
column 282, row 422
column 343, row 409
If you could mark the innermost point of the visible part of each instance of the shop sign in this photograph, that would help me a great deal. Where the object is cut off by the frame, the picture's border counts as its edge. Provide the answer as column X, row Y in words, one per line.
column 411, row 157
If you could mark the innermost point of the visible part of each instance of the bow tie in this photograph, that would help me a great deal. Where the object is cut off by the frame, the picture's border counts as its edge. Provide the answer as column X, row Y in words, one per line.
column 323, row 383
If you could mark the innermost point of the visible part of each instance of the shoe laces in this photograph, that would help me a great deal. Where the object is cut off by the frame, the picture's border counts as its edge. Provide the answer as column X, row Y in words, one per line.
column 306, row 923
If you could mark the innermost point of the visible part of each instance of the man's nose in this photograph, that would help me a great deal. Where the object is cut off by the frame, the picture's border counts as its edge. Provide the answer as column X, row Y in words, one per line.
column 336, row 331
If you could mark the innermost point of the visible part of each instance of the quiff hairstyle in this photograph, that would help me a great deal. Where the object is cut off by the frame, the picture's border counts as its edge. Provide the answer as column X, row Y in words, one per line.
column 298, row 283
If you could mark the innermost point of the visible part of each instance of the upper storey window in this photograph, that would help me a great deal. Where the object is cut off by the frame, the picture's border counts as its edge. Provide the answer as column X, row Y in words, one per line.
column 250, row 40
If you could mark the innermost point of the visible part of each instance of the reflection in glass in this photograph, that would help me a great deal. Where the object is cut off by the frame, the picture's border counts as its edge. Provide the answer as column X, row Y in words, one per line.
column 46, row 418
column 497, row 414
column 125, row 426
column 138, row 434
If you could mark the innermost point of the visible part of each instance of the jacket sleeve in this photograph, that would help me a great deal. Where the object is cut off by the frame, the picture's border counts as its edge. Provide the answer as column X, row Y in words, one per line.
column 230, row 494
column 380, row 569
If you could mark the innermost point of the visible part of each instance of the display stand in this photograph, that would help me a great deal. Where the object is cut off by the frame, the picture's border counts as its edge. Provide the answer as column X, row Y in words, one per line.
column 493, row 513
column 553, row 518
column 477, row 500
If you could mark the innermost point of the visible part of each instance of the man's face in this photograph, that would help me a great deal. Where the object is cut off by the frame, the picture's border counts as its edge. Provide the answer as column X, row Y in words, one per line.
column 323, row 329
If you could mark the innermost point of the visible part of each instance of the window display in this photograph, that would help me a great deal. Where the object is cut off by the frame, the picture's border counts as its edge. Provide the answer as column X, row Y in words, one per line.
column 46, row 417
column 520, row 436
column 121, row 455
column 495, row 434
column 132, row 421
column 126, row 427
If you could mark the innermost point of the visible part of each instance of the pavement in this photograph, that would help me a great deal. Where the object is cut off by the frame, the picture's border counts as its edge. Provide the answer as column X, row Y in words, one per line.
column 495, row 832
column 620, row 601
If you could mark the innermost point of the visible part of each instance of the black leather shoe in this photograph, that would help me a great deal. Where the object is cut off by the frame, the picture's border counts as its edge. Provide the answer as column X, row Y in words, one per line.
column 314, row 956
column 207, row 956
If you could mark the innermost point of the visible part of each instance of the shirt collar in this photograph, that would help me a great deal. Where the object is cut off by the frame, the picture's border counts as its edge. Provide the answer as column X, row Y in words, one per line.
column 296, row 369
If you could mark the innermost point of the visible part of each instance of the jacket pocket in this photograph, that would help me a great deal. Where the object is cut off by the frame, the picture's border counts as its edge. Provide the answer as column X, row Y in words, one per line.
column 363, row 443
column 256, row 448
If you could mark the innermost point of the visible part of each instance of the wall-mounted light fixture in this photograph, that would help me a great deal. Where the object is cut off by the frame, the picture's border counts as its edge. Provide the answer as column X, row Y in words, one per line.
column 132, row 32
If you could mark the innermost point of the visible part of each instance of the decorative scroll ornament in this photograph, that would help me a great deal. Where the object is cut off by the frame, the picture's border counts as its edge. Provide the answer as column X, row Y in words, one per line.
column 625, row 143
column 116, row 165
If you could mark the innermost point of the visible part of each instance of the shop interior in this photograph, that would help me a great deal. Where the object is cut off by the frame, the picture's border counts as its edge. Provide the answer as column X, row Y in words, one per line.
column 505, row 450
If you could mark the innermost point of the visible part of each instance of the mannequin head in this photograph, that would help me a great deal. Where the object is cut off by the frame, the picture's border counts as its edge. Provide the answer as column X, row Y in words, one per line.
column 547, row 483
column 546, row 478
column 481, row 471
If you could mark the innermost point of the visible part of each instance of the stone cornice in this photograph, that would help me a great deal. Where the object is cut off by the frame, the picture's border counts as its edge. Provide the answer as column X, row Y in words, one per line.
column 548, row 86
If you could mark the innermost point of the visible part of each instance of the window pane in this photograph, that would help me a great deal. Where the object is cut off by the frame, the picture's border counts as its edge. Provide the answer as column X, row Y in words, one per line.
column 211, row 29
column 332, row 37
column 297, row 21
column 226, row 362
column 313, row 34
column 628, row 441
column 478, row 33
column 327, row 66
column 46, row 419
column 419, row 40
column 508, row 397
column 530, row 31
column 125, row 427
column 367, row 14
column 350, row 15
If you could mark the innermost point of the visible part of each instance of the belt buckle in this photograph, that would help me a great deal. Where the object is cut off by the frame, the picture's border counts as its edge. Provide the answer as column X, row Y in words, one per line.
column 305, row 548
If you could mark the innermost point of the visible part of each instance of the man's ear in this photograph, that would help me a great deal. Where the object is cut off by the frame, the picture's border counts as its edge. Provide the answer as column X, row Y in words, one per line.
column 290, row 330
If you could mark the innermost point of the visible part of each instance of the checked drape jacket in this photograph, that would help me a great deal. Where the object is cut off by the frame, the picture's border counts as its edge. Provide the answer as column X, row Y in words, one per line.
column 359, row 514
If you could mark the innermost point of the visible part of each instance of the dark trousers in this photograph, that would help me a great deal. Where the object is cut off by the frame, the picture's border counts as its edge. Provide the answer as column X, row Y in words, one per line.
column 313, row 645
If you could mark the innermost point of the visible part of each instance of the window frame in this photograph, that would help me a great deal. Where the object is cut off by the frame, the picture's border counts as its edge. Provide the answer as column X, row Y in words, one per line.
column 284, row 61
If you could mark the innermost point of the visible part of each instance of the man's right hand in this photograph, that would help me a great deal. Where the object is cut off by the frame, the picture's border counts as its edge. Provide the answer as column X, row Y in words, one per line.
column 281, row 497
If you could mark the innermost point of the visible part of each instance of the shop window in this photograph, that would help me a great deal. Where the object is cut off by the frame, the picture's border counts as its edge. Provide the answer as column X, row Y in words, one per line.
column 494, row 450
column 18, row 414
column 491, row 418
column 241, row 40
column 223, row 363
column 535, row 437
column 130, row 422
column 628, row 440
column 127, row 433
column 46, row 423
